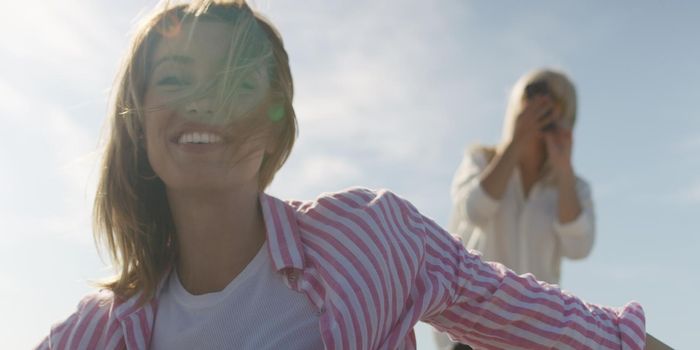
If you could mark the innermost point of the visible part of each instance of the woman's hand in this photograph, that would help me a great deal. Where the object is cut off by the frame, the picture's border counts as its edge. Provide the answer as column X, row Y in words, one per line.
column 538, row 113
column 559, row 143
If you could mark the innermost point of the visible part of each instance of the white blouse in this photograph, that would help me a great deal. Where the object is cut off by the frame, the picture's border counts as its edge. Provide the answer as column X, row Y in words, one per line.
column 523, row 233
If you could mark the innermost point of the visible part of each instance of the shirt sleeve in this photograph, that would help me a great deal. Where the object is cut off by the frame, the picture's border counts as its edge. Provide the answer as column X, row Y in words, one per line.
column 60, row 332
column 76, row 331
column 470, row 201
column 486, row 305
column 577, row 236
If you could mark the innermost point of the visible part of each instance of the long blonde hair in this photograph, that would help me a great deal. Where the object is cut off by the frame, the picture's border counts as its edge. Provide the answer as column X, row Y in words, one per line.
column 131, row 213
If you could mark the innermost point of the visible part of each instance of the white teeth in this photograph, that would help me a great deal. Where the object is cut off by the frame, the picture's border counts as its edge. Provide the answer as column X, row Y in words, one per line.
column 199, row 138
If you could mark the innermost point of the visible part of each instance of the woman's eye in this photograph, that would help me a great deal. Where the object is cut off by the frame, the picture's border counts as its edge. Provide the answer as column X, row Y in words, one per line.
column 171, row 81
column 247, row 85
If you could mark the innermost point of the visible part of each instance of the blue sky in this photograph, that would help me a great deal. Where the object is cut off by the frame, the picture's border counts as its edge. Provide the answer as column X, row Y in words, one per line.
column 388, row 95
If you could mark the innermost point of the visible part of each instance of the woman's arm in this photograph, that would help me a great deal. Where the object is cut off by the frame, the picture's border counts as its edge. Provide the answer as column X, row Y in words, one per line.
column 578, row 233
column 494, row 178
column 569, row 206
column 476, row 195
column 529, row 124
column 559, row 143
column 487, row 305
column 471, row 204
column 575, row 222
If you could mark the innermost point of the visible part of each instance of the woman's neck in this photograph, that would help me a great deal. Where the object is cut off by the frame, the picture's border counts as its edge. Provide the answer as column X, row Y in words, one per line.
column 218, row 234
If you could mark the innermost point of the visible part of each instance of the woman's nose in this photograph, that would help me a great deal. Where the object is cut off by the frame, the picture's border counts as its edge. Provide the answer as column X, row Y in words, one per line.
column 199, row 106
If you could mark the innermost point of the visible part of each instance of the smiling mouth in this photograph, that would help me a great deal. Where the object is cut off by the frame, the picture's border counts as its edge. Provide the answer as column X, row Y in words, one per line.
column 199, row 138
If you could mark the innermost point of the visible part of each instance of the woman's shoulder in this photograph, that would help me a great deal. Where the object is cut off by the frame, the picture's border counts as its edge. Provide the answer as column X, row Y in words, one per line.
column 353, row 222
column 92, row 316
column 481, row 153
column 350, row 199
column 582, row 185
column 373, row 210
column 478, row 156
column 96, row 303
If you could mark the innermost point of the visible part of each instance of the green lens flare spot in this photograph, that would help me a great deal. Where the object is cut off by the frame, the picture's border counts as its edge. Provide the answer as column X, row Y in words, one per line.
column 276, row 113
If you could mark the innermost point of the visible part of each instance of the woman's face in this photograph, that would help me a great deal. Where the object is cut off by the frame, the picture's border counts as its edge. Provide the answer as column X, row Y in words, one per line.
column 540, row 89
column 188, row 142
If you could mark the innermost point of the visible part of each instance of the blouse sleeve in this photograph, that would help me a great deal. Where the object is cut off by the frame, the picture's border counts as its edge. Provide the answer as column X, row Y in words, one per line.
column 77, row 331
column 469, row 200
column 59, row 333
column 487, row 305
column 577, row 236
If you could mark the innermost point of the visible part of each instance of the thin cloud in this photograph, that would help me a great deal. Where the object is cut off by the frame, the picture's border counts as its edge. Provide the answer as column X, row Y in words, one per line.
column 51, row 29
column 390, row 95
column 52, row 166
column 693, row 193
column 689, row 144
column 315, row 174
column 383, row 80
column 686, row 151
column 328, row 171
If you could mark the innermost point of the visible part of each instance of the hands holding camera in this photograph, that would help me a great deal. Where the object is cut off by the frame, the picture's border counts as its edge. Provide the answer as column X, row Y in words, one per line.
column 537, row 134
column 539, row 122
column 539, row 114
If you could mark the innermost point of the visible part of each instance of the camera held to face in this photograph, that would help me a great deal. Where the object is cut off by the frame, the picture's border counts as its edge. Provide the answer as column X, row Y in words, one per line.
column 540, row 88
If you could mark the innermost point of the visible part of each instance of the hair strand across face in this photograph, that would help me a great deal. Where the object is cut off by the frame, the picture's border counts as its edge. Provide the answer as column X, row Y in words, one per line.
column 131, row 213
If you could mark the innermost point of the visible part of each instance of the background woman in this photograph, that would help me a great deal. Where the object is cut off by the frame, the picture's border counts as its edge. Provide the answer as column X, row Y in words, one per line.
column 521, row 203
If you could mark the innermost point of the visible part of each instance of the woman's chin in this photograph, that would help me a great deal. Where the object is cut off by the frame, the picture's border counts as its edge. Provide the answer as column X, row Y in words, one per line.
column 203, row 184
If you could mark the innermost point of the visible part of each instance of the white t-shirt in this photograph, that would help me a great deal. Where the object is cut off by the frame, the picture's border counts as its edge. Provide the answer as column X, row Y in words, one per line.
column 256, row 310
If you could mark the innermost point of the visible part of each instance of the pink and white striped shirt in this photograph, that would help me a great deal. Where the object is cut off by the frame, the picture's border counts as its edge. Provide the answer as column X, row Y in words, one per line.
column 373, row 266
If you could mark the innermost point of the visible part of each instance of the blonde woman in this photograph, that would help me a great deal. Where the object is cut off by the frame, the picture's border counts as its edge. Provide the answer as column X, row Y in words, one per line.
column 521, row 203
column 205, row 259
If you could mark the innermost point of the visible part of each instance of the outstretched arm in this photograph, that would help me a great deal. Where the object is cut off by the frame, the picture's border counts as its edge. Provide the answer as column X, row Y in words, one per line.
column 486, row 304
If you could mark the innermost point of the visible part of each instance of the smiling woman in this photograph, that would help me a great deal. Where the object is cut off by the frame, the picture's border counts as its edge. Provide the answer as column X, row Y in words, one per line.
column 184, row 126
column 202, row 121
column 214, row 75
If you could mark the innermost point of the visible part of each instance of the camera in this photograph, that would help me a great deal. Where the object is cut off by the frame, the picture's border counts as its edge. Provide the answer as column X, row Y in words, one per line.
column 538, row 88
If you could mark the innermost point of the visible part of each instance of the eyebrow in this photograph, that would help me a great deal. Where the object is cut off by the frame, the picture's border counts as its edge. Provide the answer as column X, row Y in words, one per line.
column 172, row 58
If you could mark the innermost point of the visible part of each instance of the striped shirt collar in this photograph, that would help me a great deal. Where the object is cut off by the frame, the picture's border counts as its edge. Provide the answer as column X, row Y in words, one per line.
column 284, row 244
column 284, row 247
